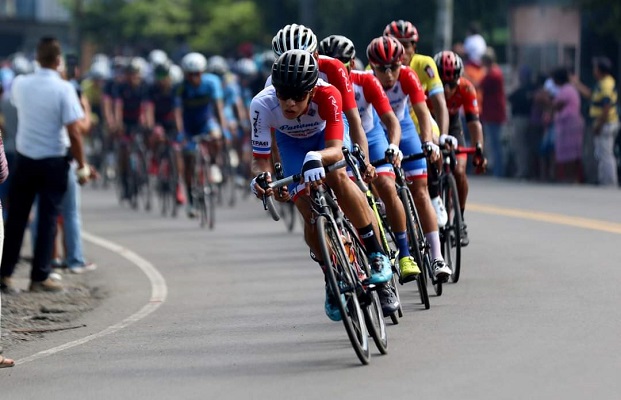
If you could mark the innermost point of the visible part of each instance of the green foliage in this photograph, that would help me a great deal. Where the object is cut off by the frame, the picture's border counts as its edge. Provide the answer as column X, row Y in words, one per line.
column 225, row 24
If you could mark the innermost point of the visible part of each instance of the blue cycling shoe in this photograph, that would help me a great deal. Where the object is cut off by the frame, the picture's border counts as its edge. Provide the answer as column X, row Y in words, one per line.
column 332, row 307
column 381, row 270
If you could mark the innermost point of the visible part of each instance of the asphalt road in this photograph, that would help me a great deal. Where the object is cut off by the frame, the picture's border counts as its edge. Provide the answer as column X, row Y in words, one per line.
column 237, row 313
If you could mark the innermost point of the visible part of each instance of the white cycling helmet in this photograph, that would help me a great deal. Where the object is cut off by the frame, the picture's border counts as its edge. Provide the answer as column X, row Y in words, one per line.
column 294, row 37
column 217, row 65
column 194, row 62
column 100, row 70
column 176, row 74
column 158, row 57
column 246, row 67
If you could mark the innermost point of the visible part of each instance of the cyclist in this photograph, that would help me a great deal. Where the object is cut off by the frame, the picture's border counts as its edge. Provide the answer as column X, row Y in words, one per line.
column 160, row 115
column 401, row 84
column 235, row 111
column 406, row 33
column 330, row 70
column 129, row 114
column 306, row 114
column 460, row 93
column 375, row 109
column 198, row 101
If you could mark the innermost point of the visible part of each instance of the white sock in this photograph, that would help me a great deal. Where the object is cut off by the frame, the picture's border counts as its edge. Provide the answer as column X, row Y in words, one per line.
column 434, row 242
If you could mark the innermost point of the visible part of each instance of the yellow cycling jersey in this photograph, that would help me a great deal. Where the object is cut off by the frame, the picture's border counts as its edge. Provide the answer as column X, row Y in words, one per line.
column 427, row 72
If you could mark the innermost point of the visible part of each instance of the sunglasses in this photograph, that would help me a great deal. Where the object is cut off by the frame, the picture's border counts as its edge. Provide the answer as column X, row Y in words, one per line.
column 295, row 96
column 386, row 68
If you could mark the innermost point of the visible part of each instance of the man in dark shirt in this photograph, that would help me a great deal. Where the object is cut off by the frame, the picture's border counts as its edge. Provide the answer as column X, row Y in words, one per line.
column 524, row 144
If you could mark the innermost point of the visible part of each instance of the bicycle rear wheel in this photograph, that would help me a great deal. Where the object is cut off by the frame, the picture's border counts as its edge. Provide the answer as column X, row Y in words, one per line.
column 341, row 284
column 451, row 233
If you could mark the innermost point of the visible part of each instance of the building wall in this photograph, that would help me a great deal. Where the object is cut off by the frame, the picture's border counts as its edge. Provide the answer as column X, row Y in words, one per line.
column 545, row 37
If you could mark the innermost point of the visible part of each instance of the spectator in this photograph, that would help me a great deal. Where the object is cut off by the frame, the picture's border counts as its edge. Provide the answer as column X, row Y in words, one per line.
column 19, row 66
column 71, row 222
column 604, row 119
column 46, row 105
column 524, row 137
column 540, row 122
column 493, row 113
column 4, row 173
column 474, row 44
column 569, row 129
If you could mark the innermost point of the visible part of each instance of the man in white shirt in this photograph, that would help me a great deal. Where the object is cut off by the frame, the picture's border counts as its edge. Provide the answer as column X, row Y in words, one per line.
column 49, row 115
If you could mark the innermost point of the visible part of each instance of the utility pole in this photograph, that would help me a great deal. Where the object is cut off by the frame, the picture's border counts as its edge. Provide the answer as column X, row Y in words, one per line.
column 444, row 26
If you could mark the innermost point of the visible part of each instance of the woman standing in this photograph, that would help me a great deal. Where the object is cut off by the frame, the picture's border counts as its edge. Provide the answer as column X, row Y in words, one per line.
column 4, row 173
column 569, row 126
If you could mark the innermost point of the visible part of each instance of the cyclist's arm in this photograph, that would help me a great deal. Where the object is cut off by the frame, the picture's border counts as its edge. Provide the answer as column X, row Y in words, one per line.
column 475, row 130
column 220, row 114
column 118, row 112
column 149, row 114
column 260, row 165
column 375, row 94
column 179, row 119
column 390, row 121
column 424, row 121
column 440, row 111
column 355, row 129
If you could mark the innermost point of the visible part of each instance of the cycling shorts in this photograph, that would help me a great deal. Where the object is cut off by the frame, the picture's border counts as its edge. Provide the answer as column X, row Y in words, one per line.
column 411, row 144
column 378, row 144
column 293, row 151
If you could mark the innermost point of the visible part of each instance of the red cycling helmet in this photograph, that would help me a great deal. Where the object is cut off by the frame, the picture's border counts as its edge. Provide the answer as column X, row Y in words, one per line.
column 385, row 50
column 450, row 66
column 402, row 30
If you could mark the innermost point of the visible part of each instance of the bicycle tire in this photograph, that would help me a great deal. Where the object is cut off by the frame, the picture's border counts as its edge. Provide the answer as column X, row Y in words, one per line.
column 415, row 237
column 371, row 305
column 337, row 271
column 389, row 237
column 450, row 238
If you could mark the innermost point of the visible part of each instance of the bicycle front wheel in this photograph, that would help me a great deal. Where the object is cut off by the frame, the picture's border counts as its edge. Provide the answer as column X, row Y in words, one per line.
column 342, row 287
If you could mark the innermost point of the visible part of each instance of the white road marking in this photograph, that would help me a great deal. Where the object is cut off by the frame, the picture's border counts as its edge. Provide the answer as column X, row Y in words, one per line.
column 159, row 291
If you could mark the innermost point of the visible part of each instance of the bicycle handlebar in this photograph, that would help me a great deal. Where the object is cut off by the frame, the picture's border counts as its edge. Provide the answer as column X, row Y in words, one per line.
column 298, row 177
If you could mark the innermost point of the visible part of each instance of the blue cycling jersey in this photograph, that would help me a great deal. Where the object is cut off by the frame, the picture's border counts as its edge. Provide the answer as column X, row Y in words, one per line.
column 197, row 103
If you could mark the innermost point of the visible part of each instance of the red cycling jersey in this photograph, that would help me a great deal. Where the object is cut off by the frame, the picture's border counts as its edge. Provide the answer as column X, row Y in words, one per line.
column 334, row 72
column 465, row 96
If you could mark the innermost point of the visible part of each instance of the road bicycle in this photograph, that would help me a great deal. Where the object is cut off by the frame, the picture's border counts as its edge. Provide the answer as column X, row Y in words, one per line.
column 354, row 159
column 419, row 247
column 346, row 266
column 204, row 190
column 450, row 234
column 167, row 176
column 136, row 188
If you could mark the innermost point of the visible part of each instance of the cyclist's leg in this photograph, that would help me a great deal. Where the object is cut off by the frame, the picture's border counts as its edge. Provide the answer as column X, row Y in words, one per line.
column 188, row 154
column 416, row 175
column 385, row 186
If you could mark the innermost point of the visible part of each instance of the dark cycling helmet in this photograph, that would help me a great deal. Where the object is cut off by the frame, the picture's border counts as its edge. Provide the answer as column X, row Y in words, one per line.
column 384, row 50
column 337, row 46
column 161, row 71
column 295, row 71
column 402, row 30
column 450, row 66
column 294, row 37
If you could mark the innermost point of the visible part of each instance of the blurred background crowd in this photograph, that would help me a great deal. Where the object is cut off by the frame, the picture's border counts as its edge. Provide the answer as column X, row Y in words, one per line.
column 551, row 55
